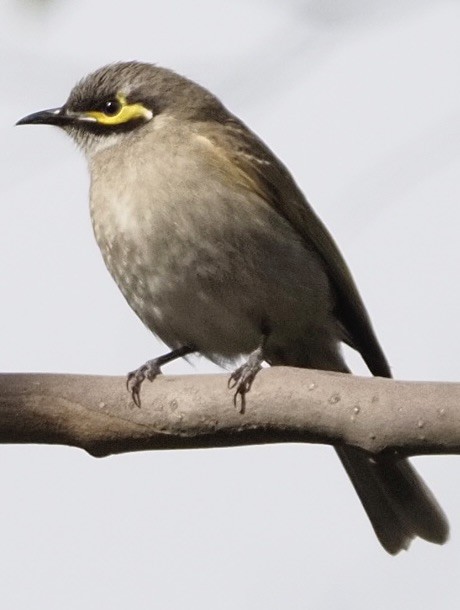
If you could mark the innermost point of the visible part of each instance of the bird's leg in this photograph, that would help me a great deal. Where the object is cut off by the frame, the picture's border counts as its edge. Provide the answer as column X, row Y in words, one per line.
column 151, row 369
column 241, row 379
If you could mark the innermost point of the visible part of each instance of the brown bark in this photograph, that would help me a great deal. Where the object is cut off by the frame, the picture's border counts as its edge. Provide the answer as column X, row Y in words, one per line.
column 285, row 405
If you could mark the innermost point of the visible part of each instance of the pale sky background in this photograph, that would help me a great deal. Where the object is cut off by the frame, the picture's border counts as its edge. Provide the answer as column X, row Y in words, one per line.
column 361, row 99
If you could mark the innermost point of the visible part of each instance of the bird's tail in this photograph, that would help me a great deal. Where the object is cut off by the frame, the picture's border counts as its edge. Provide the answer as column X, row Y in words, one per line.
column 398, row 503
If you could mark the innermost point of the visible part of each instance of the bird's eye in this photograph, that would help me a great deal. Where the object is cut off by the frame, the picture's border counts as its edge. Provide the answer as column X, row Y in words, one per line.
column 111, row 107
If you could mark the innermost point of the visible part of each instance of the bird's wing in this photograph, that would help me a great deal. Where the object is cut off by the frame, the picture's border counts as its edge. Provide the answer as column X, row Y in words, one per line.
column 262, row 171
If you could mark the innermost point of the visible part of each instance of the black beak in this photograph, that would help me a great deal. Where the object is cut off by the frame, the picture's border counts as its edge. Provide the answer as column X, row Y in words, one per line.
column 53, row 116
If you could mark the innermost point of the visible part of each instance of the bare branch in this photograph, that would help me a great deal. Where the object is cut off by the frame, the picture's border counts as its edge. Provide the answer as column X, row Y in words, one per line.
column 285, row 405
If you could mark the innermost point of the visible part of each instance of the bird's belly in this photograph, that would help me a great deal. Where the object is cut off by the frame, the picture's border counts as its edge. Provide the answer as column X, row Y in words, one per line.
column 185, row 300
column 214, row 277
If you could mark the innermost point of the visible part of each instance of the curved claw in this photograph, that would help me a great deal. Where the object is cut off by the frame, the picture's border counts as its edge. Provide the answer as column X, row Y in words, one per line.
column 136, row 395
column 129, row 376
column 233, row 379
column 240, row 396
column 135, row 379
column 242, row 379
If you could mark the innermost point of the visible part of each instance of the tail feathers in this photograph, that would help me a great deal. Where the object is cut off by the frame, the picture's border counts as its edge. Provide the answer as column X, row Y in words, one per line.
column 398, row 503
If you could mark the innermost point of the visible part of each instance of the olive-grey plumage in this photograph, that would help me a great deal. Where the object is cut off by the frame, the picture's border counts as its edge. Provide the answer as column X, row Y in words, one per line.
column 217, row 251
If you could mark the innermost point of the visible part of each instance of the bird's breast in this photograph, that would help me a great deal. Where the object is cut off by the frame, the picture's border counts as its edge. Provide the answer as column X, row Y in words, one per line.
column 200, row 260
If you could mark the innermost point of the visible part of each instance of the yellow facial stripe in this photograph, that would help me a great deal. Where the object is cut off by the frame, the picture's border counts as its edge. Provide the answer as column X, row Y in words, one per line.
column 127, row 112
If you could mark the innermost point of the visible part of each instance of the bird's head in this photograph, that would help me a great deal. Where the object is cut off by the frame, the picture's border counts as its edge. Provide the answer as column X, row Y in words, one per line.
column 119, row 100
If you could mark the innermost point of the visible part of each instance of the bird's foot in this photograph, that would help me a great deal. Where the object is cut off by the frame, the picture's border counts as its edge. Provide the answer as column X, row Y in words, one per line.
column 149, row 370
column 242, row 378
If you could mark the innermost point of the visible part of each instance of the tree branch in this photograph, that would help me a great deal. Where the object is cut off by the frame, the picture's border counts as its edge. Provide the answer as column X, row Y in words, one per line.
column 285, row 405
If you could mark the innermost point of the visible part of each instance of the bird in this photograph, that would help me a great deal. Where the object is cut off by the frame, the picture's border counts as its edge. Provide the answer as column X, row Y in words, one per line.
column 218, row 252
